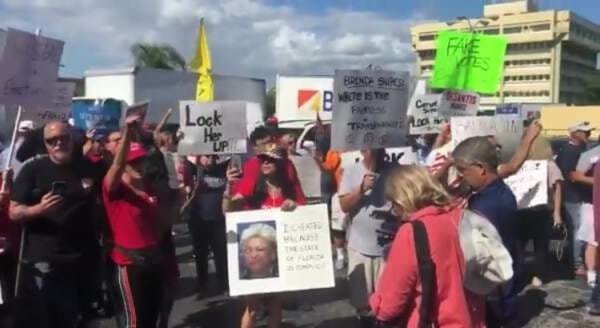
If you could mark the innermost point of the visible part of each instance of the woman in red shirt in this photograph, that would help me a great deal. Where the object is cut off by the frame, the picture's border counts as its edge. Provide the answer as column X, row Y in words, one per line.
column 132, row 211
column 272, row 190
column 415, row 195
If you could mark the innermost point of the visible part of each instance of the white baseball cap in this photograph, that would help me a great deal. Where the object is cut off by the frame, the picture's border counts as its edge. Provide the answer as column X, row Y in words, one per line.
column 25, row 126
column 581, row 126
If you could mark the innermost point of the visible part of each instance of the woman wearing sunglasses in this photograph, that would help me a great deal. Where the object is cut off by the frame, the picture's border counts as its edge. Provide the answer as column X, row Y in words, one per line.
column 272, row 190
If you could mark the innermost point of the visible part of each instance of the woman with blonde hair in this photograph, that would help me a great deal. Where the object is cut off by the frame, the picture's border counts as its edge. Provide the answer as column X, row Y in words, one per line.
column 416, row 196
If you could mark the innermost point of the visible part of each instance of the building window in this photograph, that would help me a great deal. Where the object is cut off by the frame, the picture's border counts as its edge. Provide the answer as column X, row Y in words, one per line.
column 512, row 30
column 427, row 37
column 492, row 31
column 540, row 27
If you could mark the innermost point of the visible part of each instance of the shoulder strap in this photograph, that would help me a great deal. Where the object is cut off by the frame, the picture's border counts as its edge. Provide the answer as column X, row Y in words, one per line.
column 426, row 273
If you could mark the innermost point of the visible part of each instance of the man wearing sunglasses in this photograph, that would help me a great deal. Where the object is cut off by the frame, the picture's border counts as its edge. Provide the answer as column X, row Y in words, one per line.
column 52, row 198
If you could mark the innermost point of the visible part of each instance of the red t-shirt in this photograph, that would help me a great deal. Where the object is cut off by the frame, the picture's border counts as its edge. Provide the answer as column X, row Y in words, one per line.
column 132, row 219
column 251, row 172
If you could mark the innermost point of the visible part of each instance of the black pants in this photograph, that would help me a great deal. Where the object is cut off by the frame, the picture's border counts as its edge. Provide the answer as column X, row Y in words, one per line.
column 139, row 290
column 211, row 234
column 8, row 268
column 536, row 224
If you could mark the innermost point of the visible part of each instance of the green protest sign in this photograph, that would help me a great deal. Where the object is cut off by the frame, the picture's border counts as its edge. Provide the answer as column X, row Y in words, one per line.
column 468, row 61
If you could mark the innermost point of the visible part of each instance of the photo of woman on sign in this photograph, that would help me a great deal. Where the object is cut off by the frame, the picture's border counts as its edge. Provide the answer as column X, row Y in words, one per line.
column 258, row 251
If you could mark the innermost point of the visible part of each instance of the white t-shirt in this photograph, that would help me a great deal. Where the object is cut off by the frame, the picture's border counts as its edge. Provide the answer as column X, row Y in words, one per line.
column 174, row 163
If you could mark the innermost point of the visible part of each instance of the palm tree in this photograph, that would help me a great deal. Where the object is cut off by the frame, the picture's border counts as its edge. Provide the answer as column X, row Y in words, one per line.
column 154, row 55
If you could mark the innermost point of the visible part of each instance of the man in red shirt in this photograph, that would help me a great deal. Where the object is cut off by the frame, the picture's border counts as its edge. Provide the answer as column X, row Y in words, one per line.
column 261, row 139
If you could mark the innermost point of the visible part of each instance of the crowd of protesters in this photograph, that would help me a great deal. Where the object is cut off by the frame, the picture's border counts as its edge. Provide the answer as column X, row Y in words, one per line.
column 96, row 209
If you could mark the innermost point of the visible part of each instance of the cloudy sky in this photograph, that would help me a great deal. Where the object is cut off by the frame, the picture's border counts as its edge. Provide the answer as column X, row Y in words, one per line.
column 257, row 38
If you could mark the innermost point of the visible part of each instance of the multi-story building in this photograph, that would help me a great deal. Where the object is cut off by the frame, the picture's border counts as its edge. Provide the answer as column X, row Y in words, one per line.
column 550, row 54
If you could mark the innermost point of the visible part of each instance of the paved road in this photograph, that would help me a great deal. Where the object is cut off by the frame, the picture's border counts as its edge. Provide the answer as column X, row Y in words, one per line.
column 555, row 305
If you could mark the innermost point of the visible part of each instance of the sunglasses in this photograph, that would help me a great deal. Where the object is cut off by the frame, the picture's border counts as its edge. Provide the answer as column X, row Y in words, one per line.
column 267, row 159
column 53, row 141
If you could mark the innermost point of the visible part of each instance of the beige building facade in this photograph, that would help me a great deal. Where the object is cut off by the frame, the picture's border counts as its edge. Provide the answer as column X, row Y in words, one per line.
column 549, row 57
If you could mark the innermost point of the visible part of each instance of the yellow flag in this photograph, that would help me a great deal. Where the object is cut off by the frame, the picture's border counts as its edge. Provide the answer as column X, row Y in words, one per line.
column 202, row 64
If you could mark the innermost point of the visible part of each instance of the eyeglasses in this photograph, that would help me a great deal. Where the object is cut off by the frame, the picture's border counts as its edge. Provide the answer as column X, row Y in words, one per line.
column 53, row 141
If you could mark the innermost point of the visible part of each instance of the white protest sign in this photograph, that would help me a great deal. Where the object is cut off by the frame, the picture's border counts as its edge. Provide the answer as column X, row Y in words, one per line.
column 400, row 155
column 425, row 117
column 275, row 251
column 530, row 184
column 29, row 68
column 58, row 109
column 507, row 131
column 217, row 127
column 369, row 109
column 459, row 103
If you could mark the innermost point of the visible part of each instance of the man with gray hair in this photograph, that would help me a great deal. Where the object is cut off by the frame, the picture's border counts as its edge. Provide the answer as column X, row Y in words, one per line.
column 476, row 160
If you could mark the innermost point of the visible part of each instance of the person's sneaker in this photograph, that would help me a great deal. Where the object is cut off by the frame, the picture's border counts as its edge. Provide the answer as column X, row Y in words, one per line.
column 340, row 264
column 594, row 309
column 537, row 282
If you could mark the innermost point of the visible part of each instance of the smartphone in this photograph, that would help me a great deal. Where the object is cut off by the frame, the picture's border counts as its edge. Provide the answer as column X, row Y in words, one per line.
column 59, row 188
column 236, row 162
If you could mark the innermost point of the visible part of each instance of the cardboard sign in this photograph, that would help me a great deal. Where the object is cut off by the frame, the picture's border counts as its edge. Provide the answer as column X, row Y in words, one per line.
column 369, row 109
column 468, row 61
column 274, row 251
column 28, row 68
column 217, row 127
column 137, row 112
column 102, row 115
column 425, row 114
column 400, row 155
column 459, row 103
column 530, row 184
column 59, row 109
column 506, row 130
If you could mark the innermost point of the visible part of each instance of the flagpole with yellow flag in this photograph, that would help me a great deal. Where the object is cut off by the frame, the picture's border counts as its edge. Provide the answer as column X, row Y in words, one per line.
column 202, row 64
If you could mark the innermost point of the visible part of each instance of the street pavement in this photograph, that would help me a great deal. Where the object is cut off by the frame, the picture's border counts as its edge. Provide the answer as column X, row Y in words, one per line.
column 559, row 304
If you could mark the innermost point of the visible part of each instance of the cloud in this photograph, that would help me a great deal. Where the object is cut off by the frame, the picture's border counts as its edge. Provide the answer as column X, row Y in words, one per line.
column 250, row 38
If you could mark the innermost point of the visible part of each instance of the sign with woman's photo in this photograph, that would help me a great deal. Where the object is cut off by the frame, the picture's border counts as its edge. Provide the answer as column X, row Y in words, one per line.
column 274, row 251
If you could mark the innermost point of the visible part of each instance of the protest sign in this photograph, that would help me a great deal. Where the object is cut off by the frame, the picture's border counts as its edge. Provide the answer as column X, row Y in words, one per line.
column 58, row 109
column 137, row 112
column 296, row 250
column 468, row 61
column 459, row 103
column 217, row 127
column 506, row 130
column 508, row 109
column 400, row 155
column 29, row 68
column 102, row 115
column 369, row 109
column 425, row 116
column 530, row 184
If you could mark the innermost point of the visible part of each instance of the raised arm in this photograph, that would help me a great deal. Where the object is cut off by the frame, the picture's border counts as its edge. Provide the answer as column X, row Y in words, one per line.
column 232, row 203
column 159, row 127
column 113, row 176
column 515, row 163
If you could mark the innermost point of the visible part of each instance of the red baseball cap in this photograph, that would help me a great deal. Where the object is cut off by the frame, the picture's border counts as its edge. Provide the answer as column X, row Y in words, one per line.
column 136, row 151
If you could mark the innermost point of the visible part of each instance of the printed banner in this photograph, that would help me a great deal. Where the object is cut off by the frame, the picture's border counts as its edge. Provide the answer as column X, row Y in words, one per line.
column 459, row 103
column 137, row 112
column 369, row 109
column 400, row 155
column 506, row 130
column 425, row 115
column 530, row 184
column 217, row 127
column 59, row 109
column 274, row 251
column 28, row 68
column 468, row 61
column 102, row 115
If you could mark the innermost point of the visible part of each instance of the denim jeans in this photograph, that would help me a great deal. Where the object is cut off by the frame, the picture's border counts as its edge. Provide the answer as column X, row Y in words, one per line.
column 49, row 296
column 574, row 212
